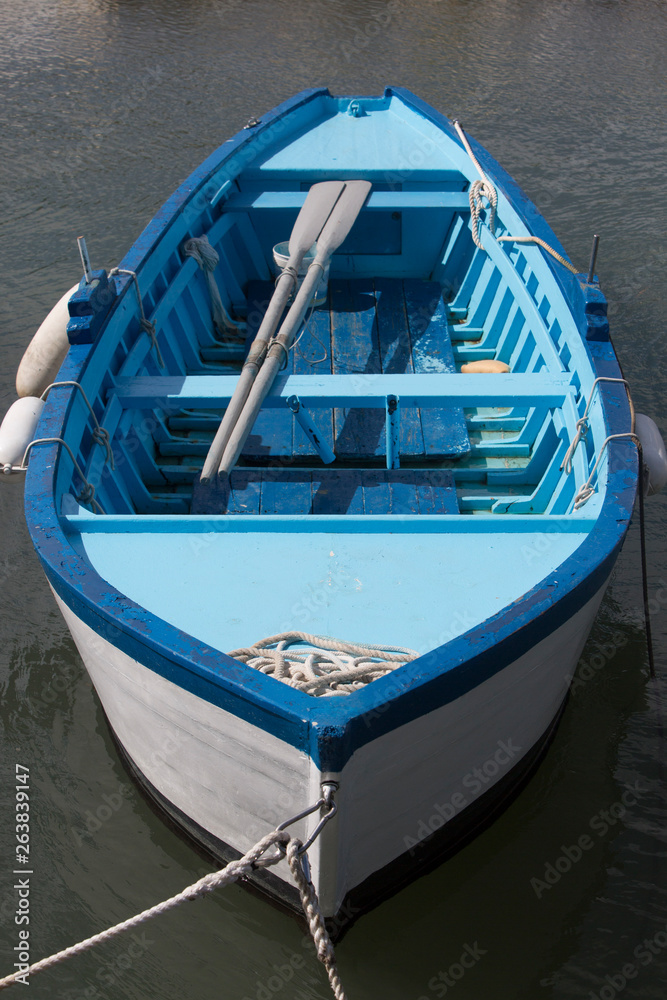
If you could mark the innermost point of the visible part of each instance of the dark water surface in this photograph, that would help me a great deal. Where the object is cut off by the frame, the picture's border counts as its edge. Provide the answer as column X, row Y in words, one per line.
column 106, row 106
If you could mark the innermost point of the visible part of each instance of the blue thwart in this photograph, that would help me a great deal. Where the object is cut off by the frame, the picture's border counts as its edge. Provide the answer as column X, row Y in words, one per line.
column 398, row 466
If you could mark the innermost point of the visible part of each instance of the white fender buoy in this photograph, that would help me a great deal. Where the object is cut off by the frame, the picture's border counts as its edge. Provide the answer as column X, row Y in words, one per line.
column 46, row 351
column 17, row 430
column 655, row 454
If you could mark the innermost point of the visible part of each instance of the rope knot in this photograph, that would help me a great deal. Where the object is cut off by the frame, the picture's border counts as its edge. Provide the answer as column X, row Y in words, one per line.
column 200, row 249
column 480, row 190
column 87, row 494
column 101, row 436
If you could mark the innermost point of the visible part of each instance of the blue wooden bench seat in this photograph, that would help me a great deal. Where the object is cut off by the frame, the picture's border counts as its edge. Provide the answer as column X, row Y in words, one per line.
column 332, row 491
column 395, row 201
column 368, row 328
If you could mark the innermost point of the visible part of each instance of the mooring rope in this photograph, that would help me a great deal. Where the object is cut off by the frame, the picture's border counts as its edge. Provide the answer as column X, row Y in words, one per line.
column 216, row 880
column 483, row 188
column 324, row 665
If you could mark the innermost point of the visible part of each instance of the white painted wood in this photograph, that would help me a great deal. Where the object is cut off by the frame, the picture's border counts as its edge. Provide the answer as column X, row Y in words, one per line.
column 233, row 779
column 238, row 782
column 390, row 789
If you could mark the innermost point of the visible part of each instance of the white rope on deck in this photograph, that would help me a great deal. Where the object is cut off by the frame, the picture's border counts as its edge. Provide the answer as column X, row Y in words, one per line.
column 215, row 880
column 323, row 666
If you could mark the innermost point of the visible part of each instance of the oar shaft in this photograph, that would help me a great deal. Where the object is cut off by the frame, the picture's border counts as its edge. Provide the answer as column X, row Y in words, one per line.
column 272, row 365
column 250, row 368
column 314, row 213
column 332, row 235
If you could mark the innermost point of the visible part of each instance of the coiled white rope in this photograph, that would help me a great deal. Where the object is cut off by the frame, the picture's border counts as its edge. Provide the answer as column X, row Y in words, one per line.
column 216, row 880
column 324, row 666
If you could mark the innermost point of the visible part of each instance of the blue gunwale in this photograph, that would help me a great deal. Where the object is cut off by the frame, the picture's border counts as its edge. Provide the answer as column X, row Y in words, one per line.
column 331, row 730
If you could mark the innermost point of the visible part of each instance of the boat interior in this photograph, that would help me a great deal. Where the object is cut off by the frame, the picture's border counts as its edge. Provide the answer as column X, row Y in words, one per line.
column 405, row 301
column 438, row 475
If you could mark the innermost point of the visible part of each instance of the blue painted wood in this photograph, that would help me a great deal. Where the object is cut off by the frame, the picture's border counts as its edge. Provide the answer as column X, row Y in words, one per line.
column 286, row 491
column 337, row 491
column 445, row 432
column 436, row 493
column 89, row 307
column 431, row 390
column 396, row 357
column 422, row 523
column 350, row 492
column 245, row 492
column 395, row 201
column 356, row 350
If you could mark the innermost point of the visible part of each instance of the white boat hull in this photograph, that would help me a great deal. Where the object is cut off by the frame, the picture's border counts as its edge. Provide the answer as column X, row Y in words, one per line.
column 230, row 782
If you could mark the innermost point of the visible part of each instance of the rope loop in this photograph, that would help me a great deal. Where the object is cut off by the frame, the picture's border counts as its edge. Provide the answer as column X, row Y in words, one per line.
column 585, row 492
column 582, row 425
column 292, row 273
column 484, row 188
column 144, row 323
column 149, row 328
column 101, row 436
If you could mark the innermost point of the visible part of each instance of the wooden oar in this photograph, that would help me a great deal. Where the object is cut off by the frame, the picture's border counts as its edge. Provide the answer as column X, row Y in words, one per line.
column 314, row 213
column 336, row 229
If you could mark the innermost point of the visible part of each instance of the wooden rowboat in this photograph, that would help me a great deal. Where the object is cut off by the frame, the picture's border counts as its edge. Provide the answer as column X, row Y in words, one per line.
column 455, row 525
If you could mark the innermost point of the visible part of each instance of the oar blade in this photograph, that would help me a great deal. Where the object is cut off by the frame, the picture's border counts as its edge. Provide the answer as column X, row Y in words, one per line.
column 342, row 217
column 340, row 222
column 316, row 209
column 314, row 213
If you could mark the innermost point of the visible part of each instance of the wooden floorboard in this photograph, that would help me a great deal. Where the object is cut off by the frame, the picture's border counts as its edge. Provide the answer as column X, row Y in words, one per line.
column 370, row 328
